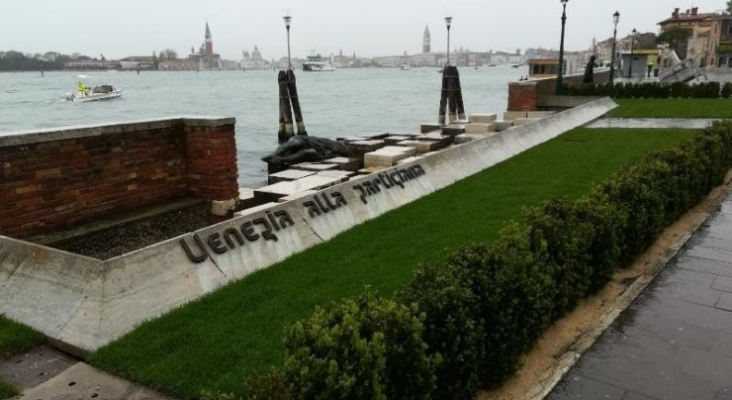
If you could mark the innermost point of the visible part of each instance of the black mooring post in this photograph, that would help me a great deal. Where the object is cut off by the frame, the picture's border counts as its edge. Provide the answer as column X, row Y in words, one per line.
column 295, row 100
column 459, row 96
column 452, row 99
column 285, row 109
column 443, row 98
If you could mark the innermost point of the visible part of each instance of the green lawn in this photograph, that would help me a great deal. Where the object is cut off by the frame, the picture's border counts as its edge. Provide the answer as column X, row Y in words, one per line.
column 16, row 338
column 7, row 391
column 211, row 343
column 672, row 108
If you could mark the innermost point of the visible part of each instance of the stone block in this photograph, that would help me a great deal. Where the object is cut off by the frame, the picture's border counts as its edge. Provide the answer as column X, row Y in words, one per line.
column 427, row 128
column 246, row 199
column 460, row 122
column 503, row 125
column 345, row 163
column 376, row 136
column 482, row 118
column 272, row 193
column 392, row 140
column 349, row 139
column 370, row 170
column 511, row 115
column 453, row 130
column 297, row 196
column 422, row 146
column 288, row 175
column 444, row 140
column 539, row 114
column 358, row 149
column 342, row 175
column 480, row 128
column 388, row 156
column 315, row 166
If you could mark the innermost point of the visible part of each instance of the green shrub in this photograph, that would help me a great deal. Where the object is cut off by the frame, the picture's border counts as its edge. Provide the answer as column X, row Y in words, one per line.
column 514, row 299
column 726, row 91
column 575, row 240
column 450, row 329
column 365, row 348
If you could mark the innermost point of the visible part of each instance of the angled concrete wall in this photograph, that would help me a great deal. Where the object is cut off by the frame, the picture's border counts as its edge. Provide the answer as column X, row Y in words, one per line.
column 87, row 303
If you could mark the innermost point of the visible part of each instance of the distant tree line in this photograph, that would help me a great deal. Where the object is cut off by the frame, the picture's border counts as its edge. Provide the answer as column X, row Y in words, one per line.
column 16, row 61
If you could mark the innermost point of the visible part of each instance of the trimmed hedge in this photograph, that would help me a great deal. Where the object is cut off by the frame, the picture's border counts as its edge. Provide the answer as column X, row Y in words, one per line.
column 367, row 348
column 652, row 90
column 465, row 325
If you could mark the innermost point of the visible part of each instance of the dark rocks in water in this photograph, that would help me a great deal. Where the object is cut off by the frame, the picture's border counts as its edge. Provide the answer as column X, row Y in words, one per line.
column 304, row 149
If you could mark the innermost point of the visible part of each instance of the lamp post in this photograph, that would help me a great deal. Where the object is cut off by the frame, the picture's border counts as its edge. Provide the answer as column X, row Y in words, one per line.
column 616, row 19
column 632, row 45
column 287, row 20
column 448, row 22
column 560, row 82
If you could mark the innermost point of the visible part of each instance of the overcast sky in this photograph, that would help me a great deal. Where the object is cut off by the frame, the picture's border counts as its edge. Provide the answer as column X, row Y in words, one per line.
column 118, row 28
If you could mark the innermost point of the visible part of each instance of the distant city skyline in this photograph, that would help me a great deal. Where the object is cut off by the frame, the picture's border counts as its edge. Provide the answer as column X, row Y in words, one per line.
column 374, row 28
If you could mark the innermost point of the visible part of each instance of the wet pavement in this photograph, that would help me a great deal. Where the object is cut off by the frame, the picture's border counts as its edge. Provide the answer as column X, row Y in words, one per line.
column 651, row 123
column 675, row 340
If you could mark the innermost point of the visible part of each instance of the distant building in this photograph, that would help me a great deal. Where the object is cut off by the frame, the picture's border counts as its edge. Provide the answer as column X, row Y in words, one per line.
column 700, row 44
column 426, row 40
column 81, row 65
column 253, row 60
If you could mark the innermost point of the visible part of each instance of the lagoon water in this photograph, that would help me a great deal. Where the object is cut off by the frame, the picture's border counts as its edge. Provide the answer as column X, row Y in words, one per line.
column 342, row 103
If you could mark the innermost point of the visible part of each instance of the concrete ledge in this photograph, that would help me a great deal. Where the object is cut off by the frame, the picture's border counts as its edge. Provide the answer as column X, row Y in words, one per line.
column 19, row 138
column 565, row 101
column 88, row 303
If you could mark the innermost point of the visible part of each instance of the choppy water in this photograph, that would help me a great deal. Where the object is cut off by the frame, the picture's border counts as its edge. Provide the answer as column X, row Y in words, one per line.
column 341, row 103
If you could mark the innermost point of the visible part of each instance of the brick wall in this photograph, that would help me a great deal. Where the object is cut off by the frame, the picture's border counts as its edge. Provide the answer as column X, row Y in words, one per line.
column 524, row 96
column 52, row 180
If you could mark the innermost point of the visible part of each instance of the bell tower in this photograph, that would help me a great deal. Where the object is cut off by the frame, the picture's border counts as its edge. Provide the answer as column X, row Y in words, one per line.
column 426, row 40
column 209, row 43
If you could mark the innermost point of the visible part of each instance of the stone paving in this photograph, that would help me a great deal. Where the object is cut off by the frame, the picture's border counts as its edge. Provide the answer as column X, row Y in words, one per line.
column 675, row 340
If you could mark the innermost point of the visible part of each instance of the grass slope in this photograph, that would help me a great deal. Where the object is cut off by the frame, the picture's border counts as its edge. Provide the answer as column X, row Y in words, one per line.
column 7, row 391
column 672, row 108
column 213, row 342
column 16, row 338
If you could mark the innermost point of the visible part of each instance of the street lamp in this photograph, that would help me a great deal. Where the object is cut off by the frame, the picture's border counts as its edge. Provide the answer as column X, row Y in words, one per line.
column 287, row 20
column 632, row 44
column 616, row 19
column 448, row 22
column 560, row 82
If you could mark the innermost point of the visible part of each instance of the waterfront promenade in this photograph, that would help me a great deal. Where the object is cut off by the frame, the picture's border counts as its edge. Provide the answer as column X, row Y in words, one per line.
column 675, row 340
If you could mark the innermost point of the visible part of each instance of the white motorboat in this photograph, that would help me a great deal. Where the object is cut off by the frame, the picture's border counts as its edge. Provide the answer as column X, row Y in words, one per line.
column 405, row 67
column 96, row 92
column 317, row 64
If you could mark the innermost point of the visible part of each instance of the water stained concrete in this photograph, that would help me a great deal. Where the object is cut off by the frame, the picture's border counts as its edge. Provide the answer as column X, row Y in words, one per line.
column 675, row 340
column 651, row 123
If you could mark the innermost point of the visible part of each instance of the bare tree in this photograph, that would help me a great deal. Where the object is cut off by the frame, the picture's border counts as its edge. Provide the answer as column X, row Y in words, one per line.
column 168, row 54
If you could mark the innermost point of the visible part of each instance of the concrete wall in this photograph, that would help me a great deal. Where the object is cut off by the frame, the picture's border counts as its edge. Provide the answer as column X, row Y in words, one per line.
column 528, row 95
column 95, row 302
column 53, row 179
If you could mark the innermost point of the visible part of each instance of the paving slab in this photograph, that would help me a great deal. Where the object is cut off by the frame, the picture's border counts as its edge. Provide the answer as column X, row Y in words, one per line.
column 675, row 340
column 34, row 367
column 81, row 381
column 314, row 166
column 288, row 175
column 655, row 123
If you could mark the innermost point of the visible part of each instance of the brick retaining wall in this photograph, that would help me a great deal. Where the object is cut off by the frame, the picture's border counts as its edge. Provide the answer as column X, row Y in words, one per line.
column 54, row 179
column 526, row 95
